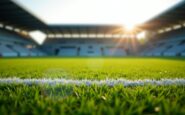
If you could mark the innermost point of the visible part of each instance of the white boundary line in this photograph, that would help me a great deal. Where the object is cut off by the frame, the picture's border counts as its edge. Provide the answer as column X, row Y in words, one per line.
column 109, row 82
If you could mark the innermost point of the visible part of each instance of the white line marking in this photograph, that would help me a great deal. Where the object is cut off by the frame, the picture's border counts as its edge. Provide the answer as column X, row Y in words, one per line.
column 109, row 82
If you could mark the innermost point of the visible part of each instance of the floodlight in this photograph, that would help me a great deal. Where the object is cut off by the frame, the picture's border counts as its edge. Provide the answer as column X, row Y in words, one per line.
column 1, row 25
column 83, row 35
column 17, row 30
column 75, row 35
column 92, row 35
column 51, row 36
column 67, row 35
column 177, row 27
column 9, row 27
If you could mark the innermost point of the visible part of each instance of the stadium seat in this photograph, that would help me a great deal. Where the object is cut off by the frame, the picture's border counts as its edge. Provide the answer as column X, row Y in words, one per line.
column 6, row 52
column 172, row 47
column 22, row 51
column 90, row 50
column 176, row 50
column 114, row 52
column 67, row 51
column 37, row 52
column 13, row 44
column 183, row 54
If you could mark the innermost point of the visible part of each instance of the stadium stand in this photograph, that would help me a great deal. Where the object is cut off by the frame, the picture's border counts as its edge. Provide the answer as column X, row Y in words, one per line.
column 67, row 51
column 90, row 50
column 114, row 51
column 168, row 44
column 6, row 52
column 176, row 50
column 37, row 52
column 84, row 47
column 13, row 45
column 183, row 54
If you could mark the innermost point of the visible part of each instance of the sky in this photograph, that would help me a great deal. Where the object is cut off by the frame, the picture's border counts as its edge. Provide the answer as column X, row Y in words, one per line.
column 89, row 12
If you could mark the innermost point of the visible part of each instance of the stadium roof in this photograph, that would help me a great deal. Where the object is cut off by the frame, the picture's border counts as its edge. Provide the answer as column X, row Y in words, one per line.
column 88, row 29
column 174, row 15
column 14, row 15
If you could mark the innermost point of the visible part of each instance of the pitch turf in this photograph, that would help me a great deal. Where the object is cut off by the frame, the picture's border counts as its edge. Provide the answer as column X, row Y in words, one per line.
column 93, row 68
column 71, row 99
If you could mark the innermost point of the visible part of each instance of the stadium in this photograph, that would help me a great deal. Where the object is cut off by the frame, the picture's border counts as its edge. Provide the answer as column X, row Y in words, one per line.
column 92, row 57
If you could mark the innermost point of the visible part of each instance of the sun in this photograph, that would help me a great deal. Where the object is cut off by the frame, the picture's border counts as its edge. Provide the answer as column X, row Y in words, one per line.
column 129, row 26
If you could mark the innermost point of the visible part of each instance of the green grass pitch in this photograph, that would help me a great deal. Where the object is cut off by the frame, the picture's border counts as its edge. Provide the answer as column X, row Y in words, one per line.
column 71, row 99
